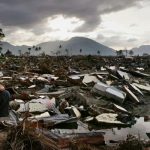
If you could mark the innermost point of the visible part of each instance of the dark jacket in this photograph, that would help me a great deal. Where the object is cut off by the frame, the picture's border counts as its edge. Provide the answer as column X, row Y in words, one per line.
column 4, row 103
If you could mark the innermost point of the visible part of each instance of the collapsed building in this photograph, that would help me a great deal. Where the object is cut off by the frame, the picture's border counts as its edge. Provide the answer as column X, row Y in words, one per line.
column 79, row 100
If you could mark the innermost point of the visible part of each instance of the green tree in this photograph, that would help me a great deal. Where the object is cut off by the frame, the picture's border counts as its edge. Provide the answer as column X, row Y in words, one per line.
column 131, row 52
column 2, row 35
column 8, row 53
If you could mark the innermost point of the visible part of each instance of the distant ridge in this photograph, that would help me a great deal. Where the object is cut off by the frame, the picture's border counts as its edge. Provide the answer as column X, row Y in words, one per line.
column 144, row 49
column 74, row 46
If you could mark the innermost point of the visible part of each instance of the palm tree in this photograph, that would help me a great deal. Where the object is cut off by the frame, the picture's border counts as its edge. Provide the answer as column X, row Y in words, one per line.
column 29, row 49
column 126, row 52
column 39, row 48
column 67, row 52
column 36, row 49
column 19, row 51
column 33, row 46
column 98, row 52
column 60, row 46
column 2, row 35
column 59, row 51
column 1, row 50
column 80, row 51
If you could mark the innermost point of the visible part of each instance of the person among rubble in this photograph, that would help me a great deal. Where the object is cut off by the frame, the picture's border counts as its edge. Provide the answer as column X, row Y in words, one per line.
column 4, row 101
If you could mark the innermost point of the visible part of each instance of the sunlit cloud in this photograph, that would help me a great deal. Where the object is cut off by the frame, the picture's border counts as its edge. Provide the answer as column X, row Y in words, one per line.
column 60, row 23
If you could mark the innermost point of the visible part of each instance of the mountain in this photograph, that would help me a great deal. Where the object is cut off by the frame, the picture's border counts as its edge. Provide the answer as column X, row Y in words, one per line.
column 13, row 49
column 74, row 46
column 144, row 49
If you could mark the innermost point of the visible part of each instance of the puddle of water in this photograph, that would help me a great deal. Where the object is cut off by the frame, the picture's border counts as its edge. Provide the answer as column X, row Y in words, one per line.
column 140, row 128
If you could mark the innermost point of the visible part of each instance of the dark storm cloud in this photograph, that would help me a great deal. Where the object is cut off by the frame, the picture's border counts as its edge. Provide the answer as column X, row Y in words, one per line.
column 28, row 13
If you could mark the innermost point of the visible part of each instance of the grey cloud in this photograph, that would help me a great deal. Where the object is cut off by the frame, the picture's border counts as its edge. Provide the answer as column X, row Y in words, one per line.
column 119, row 41
column 100, row 37
column 29, row 13
column 132, row 40
column 133, row 25
column 113, row 40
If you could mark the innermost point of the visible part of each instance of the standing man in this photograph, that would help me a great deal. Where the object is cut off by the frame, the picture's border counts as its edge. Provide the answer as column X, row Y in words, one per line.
column 4, row 101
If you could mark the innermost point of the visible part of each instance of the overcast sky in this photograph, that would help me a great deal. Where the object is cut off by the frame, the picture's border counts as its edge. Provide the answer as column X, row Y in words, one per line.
column 115, row 23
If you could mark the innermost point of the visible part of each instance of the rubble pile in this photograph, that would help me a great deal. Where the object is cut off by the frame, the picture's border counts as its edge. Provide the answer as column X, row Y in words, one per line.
column 58, row 102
